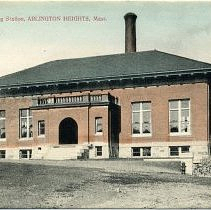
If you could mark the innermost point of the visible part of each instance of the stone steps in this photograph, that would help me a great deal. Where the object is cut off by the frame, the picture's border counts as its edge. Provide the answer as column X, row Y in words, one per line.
column 61, row 152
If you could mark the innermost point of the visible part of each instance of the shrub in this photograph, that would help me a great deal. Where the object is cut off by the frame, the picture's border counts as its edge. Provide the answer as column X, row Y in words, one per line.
column 203, row 168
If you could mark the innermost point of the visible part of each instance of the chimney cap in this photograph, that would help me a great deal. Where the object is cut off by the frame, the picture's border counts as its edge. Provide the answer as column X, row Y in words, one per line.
column 130, row 14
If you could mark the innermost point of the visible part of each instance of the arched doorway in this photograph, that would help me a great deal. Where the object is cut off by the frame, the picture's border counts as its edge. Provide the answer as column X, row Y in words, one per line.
column 68, row 131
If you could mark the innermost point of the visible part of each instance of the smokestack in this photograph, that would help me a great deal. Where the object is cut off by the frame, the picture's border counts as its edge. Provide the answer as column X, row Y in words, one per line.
column 130, row 32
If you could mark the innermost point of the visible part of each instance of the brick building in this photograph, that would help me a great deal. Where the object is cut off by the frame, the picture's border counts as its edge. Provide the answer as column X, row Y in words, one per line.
column 150, row 105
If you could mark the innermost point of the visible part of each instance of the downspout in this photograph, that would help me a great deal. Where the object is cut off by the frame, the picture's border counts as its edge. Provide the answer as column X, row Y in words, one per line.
column 208, row 117
column 89, row 104
column 109, row 132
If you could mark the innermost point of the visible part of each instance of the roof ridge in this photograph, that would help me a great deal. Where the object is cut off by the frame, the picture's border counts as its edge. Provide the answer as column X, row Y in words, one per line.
column 98, row 56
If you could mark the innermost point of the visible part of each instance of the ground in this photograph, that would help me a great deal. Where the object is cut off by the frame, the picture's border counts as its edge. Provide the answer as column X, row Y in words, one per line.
column 100, row 184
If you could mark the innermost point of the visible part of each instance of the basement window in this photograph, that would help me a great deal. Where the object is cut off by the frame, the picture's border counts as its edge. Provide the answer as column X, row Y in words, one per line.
column 146, row 151
column 25, row 153
column 99, row 151
column 2, row 153
column 185, row 149
column 178, row 150
column 136, row 151
column 141, row 151
column 174, row 151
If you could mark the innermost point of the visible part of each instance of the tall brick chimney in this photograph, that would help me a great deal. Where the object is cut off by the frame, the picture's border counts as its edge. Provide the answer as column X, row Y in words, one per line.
column 130, row 32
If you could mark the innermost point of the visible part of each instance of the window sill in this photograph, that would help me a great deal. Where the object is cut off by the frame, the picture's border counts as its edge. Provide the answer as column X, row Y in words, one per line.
column 98, row 134
column 41, row 136
column 3, row 140
column 142, row 135
column 180, row 134
column 141, row 156
column 25, row 139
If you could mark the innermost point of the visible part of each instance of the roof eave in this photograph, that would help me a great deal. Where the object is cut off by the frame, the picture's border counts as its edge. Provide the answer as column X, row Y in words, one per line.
column 111, row 78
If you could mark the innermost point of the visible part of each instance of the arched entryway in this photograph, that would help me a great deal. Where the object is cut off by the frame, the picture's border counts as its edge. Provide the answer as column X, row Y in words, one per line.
column 68, row 131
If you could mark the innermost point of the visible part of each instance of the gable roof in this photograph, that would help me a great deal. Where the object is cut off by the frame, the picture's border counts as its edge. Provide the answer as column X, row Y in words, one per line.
column 103, row 67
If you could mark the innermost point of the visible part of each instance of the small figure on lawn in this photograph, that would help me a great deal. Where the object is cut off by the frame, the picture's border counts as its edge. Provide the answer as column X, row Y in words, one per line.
column 183, row 168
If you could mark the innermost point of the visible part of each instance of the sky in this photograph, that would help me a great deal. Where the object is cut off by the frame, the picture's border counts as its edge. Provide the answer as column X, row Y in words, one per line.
column 181, row 28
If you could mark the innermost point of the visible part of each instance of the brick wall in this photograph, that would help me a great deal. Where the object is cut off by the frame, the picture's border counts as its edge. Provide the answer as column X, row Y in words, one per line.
column 159, row 97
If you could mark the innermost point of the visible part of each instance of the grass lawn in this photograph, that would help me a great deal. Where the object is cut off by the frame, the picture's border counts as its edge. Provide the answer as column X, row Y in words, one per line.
column 82, row 185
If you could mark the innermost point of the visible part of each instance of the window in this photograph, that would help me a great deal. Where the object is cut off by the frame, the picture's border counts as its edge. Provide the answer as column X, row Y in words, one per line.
column 146, row 151
column 185, row 149
column 174, row 151
column 98, row 125
column 25, row 153
column 178, row 150
column 2, row 153
column 2, row 124
column 179, row 116
column 141, row 151
column 99, row 151
column 41, row 128
column 26, row 123
column 141, row 118
column 136, row 151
